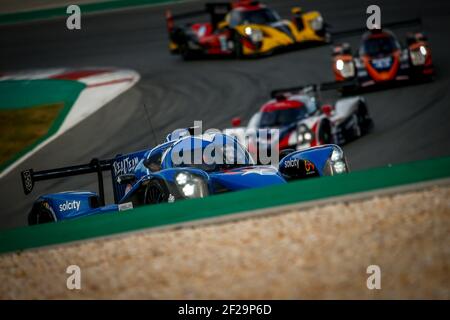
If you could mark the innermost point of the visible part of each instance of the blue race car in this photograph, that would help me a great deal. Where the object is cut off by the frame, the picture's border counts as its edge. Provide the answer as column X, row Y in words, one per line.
column 166, row 173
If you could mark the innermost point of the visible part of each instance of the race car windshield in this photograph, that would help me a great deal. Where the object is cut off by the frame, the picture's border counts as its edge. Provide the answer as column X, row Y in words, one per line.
column 379, row 46
column 221, row 157
column 310, row 103
column 260, row 16
column 284, row 117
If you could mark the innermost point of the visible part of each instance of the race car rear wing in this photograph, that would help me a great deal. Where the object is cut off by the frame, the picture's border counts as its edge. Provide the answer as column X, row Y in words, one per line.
column 316, row 87
column 121, row 164
column 29, row 177
column 358, row 31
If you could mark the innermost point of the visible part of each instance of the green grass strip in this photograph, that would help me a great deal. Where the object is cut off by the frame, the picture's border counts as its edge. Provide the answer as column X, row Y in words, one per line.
column 17, row 94
column 9, row 18
column 225, row 204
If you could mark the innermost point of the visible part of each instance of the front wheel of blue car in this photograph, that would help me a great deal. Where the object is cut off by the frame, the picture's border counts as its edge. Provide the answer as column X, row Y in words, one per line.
column 156, row 192
column 40, row 214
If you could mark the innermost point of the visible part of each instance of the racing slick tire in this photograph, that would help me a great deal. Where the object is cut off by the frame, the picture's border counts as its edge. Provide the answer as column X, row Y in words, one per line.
column 156, row 192
column 364, row 120
column 357, row 131
column 185, row 52
column 40, row 214
column 324, row 134
column 237, row 44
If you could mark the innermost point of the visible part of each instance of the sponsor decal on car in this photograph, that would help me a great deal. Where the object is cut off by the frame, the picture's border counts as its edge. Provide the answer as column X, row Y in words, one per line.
column 70, row 205
column 292, row 163
column 382, row 63
column 125, row 206
column 309, row 166
column 125, row 165
column 297, row 163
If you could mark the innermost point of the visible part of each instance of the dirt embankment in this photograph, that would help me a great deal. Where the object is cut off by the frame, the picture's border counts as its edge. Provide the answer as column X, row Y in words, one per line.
column 317, row 253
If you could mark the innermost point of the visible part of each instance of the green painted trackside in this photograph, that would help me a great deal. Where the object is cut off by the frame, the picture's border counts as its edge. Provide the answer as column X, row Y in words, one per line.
column 15, row 94
column 225, row 204
column 18, row 94
column 9, row 18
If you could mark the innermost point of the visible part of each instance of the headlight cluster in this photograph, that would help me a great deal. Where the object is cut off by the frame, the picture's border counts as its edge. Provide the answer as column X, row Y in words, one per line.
column 337, row 162
column 304, row 134
column 255, row 35
column 418, row 57
column 345, row 68
column 316, row 23
column 191, row 186
column 301, row 136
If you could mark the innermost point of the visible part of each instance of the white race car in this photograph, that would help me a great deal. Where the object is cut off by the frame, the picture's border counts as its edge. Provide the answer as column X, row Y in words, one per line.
column 303, row 121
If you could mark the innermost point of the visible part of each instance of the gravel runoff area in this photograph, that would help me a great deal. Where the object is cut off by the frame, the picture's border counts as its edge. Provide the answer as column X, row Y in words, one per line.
column 318, row 253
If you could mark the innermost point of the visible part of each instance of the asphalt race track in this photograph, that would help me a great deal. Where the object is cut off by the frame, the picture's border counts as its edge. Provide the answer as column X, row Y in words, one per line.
column 411, row 123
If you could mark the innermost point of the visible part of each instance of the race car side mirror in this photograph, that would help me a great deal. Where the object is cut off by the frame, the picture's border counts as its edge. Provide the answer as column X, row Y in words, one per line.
column 126, row 178
column 296, row 10
column 327, row 109
column 236, row 121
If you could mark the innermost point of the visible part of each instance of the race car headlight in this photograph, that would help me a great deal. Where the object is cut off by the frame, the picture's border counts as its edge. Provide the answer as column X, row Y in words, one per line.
column 191, row 186
column 340, row 167
column 337, row 163
column 337, row 155
column 345, row 68
column 304, row 135
column 307, row 136
column 316, row 23
column 255, row 35
column 418, row 56
column 423, row 50
column 181, row 178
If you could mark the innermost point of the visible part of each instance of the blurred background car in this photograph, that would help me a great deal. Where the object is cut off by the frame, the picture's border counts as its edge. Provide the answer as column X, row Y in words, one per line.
column 305, row 118
column 243, row 28
column 381, row 60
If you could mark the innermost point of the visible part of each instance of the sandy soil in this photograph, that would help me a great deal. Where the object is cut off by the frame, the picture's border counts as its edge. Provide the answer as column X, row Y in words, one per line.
column 317, row 253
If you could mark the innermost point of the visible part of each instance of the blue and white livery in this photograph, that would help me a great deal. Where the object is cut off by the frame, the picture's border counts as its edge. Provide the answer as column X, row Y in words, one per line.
column 186, row 166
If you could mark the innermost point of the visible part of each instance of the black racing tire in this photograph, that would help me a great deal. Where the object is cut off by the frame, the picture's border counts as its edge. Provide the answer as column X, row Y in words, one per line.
column 238, row 52
column 357, row 130
column 185, row 52
column 364, row 119
column 40, row 214
column 324, row 135
column 156, row 192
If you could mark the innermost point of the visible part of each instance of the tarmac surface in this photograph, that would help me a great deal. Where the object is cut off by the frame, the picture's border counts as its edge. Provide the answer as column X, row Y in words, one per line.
column 411, row 123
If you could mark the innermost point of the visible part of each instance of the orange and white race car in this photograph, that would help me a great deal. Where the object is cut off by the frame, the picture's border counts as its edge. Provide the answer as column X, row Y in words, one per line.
column 382, row 60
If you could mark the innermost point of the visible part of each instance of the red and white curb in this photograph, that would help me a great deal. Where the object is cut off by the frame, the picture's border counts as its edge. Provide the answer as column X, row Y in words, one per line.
column 102, row 86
